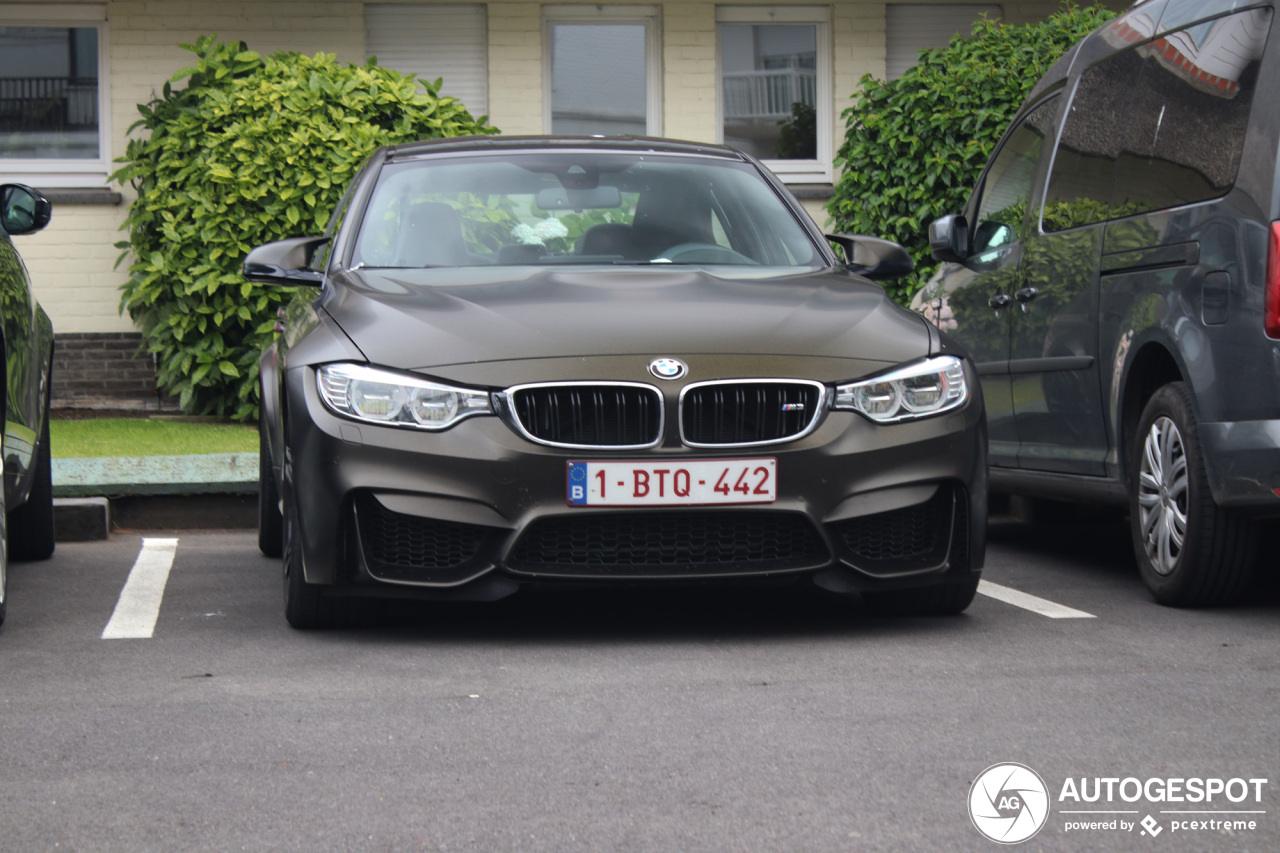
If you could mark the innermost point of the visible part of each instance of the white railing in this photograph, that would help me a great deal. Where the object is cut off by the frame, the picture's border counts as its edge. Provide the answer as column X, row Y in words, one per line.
column 768, row 94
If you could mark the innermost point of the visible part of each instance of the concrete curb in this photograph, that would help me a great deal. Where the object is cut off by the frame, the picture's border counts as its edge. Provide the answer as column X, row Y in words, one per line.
column 214, row 473
column 94, row 496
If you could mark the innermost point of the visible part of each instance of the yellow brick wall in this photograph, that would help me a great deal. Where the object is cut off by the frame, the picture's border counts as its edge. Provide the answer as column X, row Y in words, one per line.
column 515, row 67
column 71, row 262
column 689, row 71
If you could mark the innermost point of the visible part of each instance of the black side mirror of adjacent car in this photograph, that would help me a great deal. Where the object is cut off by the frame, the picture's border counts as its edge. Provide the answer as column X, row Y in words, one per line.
column 873, row 257
column 949, row 238
column 285, row 262
column 23, row 210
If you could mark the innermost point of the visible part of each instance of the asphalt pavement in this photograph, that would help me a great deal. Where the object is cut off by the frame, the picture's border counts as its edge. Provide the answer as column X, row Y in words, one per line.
column 152, row 697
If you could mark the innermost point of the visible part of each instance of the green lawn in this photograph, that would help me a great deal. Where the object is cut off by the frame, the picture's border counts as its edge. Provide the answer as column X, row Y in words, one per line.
column 148, row 437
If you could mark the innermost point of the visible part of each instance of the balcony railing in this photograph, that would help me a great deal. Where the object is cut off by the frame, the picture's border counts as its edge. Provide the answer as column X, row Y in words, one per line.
column 768, row 94
column 48, row 103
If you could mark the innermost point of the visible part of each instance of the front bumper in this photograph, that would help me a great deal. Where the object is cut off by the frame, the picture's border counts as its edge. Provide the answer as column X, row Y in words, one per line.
column 477, row 510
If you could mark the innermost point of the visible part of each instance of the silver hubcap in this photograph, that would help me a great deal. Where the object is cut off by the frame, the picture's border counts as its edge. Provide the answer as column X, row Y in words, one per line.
column 1162, row 495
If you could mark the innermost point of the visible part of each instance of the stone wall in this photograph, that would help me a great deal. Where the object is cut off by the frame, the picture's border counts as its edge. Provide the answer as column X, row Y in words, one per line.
column 104, row 370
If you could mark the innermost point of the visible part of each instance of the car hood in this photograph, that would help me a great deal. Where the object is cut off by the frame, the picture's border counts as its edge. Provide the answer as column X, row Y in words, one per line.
column 426, row 318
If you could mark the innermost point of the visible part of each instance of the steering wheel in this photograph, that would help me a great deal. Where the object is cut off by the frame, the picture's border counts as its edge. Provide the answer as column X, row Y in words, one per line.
column 705, row 253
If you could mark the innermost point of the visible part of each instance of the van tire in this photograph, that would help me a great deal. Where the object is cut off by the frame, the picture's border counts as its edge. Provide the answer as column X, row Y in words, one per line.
column 1190, row 551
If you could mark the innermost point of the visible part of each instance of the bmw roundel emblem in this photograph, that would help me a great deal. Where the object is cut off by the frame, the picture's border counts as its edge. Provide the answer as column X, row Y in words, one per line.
column 667, row 368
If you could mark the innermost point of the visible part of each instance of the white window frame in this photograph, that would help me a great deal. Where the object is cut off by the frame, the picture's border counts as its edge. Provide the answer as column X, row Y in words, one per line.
column 818, row 171
column 53, row 173
column 648, row 16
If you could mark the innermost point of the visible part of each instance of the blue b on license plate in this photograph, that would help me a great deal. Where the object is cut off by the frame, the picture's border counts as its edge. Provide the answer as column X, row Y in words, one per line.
column 694, row 482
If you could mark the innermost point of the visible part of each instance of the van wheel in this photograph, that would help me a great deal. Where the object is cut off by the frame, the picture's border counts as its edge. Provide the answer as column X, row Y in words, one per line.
column 1190, row 551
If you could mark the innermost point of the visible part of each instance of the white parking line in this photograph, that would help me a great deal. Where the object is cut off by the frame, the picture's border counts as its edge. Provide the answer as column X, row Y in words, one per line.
column 1030, row 602
column 139, row 605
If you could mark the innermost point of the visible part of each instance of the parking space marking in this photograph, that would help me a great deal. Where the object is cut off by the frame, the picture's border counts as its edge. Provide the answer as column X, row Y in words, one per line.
column 139, row 605
column 1030, row 602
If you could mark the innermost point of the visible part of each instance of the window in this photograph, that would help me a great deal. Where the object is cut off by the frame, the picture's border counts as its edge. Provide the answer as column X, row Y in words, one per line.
column 602, row 70
column 1079, row 191
column 437, row 41
column 910, row 29
column 1159, row 125
column 578, row 207
column 1006, row 188
column 52, row 94
column 775, row 87
column 1186, row 127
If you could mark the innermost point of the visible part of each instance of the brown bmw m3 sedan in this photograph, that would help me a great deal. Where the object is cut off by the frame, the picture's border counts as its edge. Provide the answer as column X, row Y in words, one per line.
column 605, row 361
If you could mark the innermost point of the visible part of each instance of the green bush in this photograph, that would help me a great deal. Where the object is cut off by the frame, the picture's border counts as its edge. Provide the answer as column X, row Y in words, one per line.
column 251, row 150
column 915, row 146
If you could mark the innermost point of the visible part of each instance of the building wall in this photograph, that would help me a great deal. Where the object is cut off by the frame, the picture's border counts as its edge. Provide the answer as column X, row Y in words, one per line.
column 72, row 262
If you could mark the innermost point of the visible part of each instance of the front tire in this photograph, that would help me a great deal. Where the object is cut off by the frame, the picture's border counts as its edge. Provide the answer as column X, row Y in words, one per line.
column 31, row 525
column 270, row 519
column 306, row 606
column 1190, row 551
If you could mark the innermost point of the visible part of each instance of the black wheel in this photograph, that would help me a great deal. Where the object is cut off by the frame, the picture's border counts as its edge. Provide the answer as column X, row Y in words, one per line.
column 31, row 525
column 305, row 604
column 1190, row 551
column 939, row 600
column 270, row 520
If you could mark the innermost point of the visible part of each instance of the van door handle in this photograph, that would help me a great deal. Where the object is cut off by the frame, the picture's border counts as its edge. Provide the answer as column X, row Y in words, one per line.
column 1000, row 300
column 1026, row 294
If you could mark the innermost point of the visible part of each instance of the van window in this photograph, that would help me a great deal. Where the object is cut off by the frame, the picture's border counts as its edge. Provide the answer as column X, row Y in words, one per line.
column 1092, row 133
column 1002, row 205
column 1159, row 125
column 1190, row 114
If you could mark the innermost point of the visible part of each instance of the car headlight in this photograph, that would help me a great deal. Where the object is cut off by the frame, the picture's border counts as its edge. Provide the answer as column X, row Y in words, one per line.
column 906, row 393
column 396, row 399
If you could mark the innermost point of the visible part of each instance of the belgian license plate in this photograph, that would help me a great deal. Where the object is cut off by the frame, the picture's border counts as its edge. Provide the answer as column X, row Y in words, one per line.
column 694, row 482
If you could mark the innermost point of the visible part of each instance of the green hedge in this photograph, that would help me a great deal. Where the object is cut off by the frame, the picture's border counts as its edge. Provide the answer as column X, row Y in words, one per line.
column 915, row 146
column 251, row 150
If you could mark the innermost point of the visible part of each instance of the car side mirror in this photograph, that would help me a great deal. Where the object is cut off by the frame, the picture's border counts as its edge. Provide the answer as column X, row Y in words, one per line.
column 873, row 257
column 23, row 210
column 285, row 263
column 949, row 239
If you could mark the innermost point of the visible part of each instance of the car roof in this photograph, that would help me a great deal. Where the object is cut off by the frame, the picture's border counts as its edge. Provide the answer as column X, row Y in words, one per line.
column 630, row 144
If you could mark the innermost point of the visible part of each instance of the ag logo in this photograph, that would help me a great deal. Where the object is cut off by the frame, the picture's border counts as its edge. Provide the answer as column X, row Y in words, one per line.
column 667, row 368
column 1008, row 803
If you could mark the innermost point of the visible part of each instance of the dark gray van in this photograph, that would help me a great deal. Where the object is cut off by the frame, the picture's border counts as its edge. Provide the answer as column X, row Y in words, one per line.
column 1116, row 277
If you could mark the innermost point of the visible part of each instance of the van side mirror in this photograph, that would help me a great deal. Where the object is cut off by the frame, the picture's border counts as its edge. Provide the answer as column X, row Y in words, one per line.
column 284, row 262
column 949, row 238
column 873, row 257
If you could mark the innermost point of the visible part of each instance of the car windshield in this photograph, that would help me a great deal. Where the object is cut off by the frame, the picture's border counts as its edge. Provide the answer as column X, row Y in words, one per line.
column 578, row 207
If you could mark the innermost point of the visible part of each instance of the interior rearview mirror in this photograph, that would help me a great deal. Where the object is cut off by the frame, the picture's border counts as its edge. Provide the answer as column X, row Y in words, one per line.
column 563, row 198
